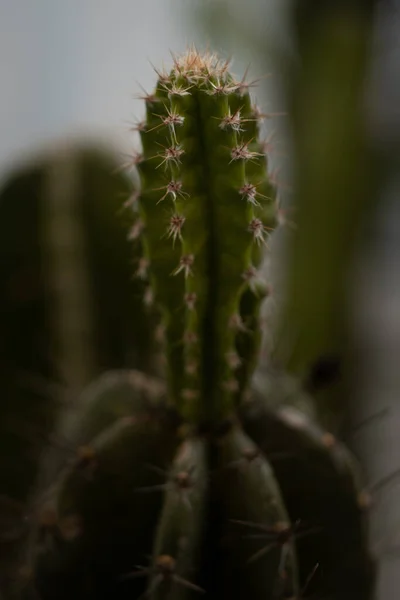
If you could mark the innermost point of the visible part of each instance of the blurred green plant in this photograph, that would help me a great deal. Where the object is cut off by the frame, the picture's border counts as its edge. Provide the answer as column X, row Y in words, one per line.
column 336, row 183
column 69, row 306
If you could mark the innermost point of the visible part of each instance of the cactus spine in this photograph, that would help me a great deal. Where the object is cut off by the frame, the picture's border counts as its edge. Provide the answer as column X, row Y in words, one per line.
column 192, row 476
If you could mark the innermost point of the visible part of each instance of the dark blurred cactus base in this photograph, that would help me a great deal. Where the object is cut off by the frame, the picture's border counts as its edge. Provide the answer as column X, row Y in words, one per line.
column 137, row 476
column 64, row 256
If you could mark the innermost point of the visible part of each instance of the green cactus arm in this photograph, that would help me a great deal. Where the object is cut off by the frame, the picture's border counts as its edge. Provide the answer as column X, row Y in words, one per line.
column 196, row 156
column 263, row 557
column 321, row 486
column 106, row 484
column 178, row 539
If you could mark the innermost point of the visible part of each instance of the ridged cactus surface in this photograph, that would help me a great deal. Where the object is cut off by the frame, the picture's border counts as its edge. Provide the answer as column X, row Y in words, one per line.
column 207, row 209
column 199, row 487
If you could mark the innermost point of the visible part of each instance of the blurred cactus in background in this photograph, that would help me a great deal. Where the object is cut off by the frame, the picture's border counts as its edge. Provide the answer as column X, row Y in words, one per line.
column 69, row 306
column 336, row 186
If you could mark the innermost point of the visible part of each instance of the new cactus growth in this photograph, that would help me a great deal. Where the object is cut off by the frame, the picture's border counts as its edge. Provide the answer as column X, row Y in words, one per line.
column 195, row 489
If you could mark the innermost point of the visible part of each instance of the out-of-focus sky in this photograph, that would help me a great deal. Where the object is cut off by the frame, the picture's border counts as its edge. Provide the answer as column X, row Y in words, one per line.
column 72, row 68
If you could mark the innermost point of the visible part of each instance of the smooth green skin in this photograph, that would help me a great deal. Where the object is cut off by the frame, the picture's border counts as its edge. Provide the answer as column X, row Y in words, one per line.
column 215, row 232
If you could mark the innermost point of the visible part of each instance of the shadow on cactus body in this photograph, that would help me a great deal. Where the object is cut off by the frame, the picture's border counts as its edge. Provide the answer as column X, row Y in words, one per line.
column 200, row 487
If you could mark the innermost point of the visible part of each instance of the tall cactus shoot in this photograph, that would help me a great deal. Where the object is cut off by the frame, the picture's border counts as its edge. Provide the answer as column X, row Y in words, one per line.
column 200, row 486
column 207, row 208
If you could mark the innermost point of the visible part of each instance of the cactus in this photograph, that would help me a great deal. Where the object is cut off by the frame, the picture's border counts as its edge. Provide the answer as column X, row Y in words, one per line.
column 62, row 237
column 200, row 486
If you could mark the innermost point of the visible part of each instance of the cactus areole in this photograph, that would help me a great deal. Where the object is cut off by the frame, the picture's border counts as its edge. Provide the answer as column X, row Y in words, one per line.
column 206, row 209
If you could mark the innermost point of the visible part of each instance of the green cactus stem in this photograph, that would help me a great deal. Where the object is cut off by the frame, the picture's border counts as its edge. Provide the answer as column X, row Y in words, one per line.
column 205, row 189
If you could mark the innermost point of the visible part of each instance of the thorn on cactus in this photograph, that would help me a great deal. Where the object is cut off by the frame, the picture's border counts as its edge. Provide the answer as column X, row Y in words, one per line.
column 249, row 192
column 163, row 76
column 191, row 368
column 189, row 394
column 136, row 230
column 148, row 98
column 174, row 188
column 139, row 126
column 175, row 227
column 258, row 114
column 328, row 440
column 190, row 338
column 135, row 159
column 148, row 297
column 171, row 155
column 190, row 300
column 132, row 200
column 233, row 359
column 258, row 229
column 250, row 273
column 306, row 584
column 242, row 152
column 185, row 265
column 164, row 571
column 219, row 89
column 248, row 456
column 142, row 269
column 233, row 121
column 177, row 481
column 159, row 334
column 171, row 121
column 177, row 90
column 231, row 386
column 243, row 86
column 281, row 534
